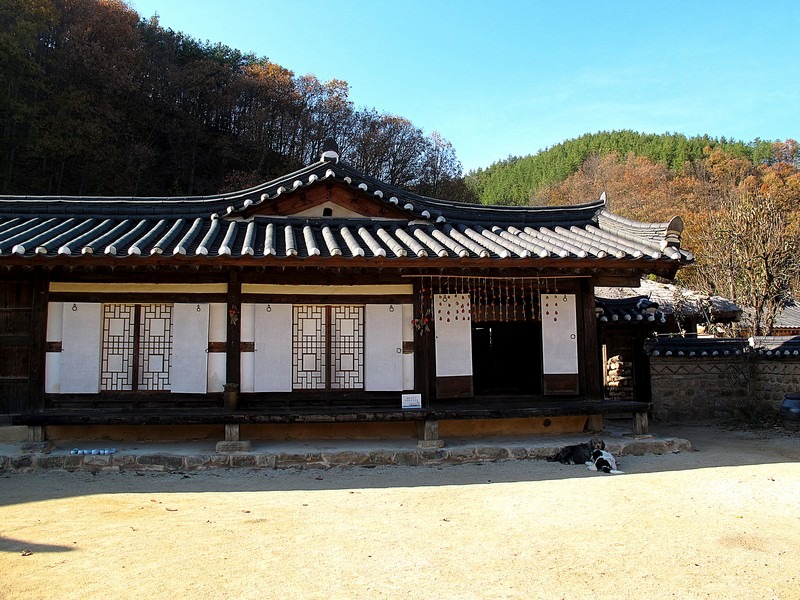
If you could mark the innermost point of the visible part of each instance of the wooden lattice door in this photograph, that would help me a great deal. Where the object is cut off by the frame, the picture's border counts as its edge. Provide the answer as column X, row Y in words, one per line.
column 328, row 347
column 137, row 347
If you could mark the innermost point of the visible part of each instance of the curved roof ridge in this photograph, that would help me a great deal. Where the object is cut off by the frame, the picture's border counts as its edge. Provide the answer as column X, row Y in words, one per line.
column 620, row 220
column 665, row 234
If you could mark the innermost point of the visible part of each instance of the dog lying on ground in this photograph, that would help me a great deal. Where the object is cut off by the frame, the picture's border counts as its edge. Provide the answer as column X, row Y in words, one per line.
column 603, row 461
column 578, row 454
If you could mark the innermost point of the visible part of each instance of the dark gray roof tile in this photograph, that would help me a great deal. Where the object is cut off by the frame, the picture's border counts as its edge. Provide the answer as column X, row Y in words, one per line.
column 435, row 228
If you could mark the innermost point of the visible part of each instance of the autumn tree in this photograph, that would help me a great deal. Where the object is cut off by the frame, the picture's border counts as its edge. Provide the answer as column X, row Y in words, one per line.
column 747, row 253
column 23, row 23
column 95, row 100
column 440, row 168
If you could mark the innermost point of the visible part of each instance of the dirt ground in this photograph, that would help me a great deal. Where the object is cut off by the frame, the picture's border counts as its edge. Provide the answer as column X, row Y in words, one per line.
column 722, row 521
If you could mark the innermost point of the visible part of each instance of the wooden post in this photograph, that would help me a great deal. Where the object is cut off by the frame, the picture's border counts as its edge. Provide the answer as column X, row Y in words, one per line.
column 232, row 443
column 430, row 434
column 594, row 423
column 35, row 433
column 232, row 432
column 640, row 423
column 38, row 347
column 37, row 440
column 589, row 350
column 424, row 371
column 233, row 361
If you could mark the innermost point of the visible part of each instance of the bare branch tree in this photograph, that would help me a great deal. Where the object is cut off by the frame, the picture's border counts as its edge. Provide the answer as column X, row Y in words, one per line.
column 747, row 254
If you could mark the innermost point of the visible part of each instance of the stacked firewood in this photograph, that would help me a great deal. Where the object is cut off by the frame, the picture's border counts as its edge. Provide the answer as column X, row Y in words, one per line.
column 619, row 379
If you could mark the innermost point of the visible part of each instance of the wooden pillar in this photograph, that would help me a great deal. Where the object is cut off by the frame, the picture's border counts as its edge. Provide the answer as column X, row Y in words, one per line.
column 36, row 440
column 232, row 432
column 640, row 424
column 35, row 433
column 641, row 371
column 589, row 349
column 233, row 363
column 430, row 434
column 38, row 347
column 424, row 367
column 232, row 441
column 594, row 424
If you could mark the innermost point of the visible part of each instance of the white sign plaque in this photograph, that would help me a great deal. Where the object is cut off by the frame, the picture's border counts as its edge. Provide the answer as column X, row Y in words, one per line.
column 412, row 400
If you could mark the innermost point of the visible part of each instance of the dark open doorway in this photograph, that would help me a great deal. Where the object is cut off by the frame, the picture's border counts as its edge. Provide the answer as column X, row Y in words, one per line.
column 507, row 358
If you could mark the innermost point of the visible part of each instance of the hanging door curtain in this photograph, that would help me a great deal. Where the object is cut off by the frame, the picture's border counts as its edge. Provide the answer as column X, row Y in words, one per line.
column 452, row 316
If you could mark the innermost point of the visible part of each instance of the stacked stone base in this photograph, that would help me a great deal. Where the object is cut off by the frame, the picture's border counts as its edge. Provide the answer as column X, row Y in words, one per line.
column 163, row 462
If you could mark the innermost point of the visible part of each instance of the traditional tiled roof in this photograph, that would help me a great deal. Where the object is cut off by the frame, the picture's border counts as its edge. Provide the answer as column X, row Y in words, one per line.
column 240, row 225
column 776, row 346
column 787, row 318
column 678, row 346
column 667, row 298
column 765, row 347
column 635, row 310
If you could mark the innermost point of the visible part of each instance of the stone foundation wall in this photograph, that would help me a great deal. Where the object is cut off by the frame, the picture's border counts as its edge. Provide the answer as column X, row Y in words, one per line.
column 706, row 387
column 776, row 378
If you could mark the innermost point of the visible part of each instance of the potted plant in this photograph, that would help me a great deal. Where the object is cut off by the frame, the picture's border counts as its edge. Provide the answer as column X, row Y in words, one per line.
column 230, row 395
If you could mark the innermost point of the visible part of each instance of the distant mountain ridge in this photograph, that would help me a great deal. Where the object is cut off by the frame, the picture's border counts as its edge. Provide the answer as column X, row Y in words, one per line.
column 516, row 180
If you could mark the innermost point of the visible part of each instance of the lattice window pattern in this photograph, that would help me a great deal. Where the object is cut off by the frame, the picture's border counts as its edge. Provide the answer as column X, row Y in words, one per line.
column 136, row 339
column 347, row 347
column 155, row 346
column 309, row 356
column 119, row 332
column 328, row 347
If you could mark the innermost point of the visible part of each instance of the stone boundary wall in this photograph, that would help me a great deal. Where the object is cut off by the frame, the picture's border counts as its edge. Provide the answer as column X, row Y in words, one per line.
column 776, row 378
column 703, row 387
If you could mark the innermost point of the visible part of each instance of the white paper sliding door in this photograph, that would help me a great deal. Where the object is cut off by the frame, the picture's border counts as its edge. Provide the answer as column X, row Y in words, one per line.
column 383, row 347
column 273, row 341
column 82, row 332
column 190, row 348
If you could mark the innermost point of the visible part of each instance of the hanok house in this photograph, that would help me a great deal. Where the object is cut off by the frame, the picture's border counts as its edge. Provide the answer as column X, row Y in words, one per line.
column 323, row 296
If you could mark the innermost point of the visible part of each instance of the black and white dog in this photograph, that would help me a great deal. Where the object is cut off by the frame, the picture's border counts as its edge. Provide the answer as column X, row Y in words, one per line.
column 578, row 454
column 603, row 461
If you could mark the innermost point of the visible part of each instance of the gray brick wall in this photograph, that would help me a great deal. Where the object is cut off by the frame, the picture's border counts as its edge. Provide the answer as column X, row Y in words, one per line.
column 689, row 388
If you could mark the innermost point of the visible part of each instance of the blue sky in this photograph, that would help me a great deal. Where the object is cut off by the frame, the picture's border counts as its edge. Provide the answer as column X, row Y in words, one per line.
column 500, row 77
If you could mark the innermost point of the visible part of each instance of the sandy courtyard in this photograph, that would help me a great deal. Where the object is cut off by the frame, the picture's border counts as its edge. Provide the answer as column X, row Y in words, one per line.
column 722, row 521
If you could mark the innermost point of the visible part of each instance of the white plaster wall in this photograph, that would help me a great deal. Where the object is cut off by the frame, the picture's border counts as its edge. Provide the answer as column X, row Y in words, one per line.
column 52, row 368
column 383, row 347
column 559, row 334
column 189, row 348
column 217, row 332
column 408, row 336
column 82, row 332
column 248, row 359
column 273, row 355
column 453, row 334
